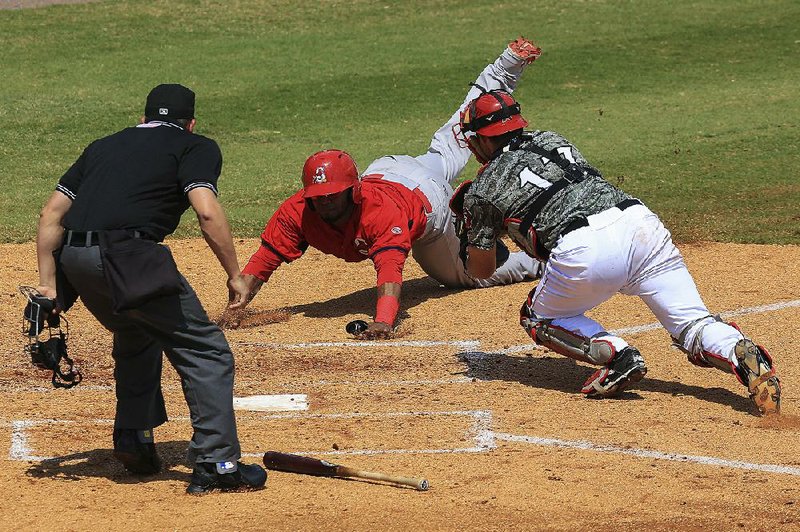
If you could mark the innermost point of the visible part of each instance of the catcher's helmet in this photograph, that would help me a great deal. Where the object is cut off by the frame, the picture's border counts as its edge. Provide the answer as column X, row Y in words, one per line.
column 491, row 114
column 329, row 172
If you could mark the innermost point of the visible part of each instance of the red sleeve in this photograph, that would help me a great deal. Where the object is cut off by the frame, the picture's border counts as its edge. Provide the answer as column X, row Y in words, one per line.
column 389, row 266
column 386, row 226
column 282, row 239
column 262, row 263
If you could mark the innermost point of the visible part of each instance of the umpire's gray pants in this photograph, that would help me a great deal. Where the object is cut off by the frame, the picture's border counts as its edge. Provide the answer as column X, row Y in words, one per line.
column 196, row 348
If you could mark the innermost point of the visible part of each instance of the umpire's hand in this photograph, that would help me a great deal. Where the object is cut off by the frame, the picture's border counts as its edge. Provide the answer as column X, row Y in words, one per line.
column 238, row 292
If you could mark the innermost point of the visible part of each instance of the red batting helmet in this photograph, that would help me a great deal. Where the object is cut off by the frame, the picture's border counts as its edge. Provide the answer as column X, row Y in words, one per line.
column 329, row 172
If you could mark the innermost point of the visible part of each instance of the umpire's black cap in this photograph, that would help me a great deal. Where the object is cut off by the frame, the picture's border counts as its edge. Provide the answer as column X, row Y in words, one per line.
column 170, row 100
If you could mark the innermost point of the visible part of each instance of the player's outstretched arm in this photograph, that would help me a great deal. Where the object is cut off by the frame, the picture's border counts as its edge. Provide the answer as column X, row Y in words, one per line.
column 282, row 240
column 387, row 306
column 254, row 284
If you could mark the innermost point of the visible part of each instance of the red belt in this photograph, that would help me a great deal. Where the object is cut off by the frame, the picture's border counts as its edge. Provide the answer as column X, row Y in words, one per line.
column 424, row 199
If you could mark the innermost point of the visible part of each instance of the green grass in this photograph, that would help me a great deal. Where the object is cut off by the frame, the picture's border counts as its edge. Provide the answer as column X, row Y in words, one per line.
column 692, row 106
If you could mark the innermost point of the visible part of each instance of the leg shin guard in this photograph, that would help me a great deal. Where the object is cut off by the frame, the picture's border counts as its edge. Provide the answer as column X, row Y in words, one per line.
column 595, row 350
column 695, row 352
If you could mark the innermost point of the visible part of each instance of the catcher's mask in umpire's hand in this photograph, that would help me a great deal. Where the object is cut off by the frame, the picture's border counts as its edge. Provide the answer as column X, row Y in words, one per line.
column 47, row 340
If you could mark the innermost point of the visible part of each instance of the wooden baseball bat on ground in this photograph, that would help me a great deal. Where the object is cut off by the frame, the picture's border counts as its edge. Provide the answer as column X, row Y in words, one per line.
column 293, row 463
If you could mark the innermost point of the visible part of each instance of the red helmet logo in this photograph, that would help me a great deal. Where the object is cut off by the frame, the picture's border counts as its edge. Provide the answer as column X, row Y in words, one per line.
column 329, row 172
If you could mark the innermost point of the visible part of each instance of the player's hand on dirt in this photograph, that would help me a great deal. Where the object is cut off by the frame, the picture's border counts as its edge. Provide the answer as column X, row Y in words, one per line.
column 238, row 292
column 376, row 330
column 254, row 284
column 525, row 50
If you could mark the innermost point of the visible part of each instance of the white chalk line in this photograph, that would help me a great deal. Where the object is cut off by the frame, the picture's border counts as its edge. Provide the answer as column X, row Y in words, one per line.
column 462, row 344
column 20, row 449
column 483, row 437
column 475, row 344
column 472, row 346
column 645, row 453
column 726, row 315
column 479, row 430
column 653, row 326
column 280, row 387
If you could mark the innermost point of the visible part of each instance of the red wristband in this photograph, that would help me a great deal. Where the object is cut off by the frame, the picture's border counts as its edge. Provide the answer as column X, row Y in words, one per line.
column 386, row 309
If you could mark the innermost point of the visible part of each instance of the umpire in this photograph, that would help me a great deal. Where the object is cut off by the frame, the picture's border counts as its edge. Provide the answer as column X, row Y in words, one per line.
column 99, row 239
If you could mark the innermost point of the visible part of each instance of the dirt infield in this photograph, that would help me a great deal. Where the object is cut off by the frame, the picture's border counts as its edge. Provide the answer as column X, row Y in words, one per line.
column 461, row 397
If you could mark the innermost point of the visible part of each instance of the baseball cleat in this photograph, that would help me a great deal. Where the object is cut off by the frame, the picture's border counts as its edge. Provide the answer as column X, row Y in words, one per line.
column 524, row 50
column 226, row 476
column 626, row 368
column 756, row 370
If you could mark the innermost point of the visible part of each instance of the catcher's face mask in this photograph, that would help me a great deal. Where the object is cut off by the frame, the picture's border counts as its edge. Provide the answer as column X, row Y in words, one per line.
column 47, row 340
column 491, row 114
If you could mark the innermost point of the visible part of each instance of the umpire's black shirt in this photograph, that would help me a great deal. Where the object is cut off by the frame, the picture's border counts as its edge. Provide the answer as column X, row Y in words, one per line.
column 138, row 179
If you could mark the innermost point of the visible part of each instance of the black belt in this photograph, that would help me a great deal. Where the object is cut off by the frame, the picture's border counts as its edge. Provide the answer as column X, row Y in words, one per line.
column 577, row 223
column 80, row 239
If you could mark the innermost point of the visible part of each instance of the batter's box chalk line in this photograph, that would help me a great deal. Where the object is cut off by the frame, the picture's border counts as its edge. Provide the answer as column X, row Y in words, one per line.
column 474, row 345
column 645, row 453
column 479, row 432
column 772, row 307
column 462, row 344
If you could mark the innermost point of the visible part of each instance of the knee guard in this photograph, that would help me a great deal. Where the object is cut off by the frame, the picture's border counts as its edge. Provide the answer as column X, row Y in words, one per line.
column 695, row 353
column 543, row 332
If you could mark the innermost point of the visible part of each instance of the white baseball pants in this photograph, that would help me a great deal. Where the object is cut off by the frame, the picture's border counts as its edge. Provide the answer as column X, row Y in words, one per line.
column 630, row 252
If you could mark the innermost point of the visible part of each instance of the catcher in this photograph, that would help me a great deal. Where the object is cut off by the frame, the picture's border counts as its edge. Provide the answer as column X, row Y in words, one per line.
column 399, row 204
column 596, row 240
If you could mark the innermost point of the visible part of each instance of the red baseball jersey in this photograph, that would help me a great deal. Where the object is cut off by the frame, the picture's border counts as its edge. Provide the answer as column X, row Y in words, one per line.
column 386, row 220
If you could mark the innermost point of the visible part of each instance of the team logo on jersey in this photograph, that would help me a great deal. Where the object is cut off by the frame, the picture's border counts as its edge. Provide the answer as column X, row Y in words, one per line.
column 319, row 176
column 397, row 230
column 361, row 246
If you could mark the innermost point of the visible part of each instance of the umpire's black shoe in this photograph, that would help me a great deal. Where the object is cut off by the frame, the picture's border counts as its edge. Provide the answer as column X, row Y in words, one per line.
column 136, row 450
column 226, row 476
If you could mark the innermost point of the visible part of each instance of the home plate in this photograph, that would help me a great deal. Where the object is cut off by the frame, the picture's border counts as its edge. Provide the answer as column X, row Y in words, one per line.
column 271, row 403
